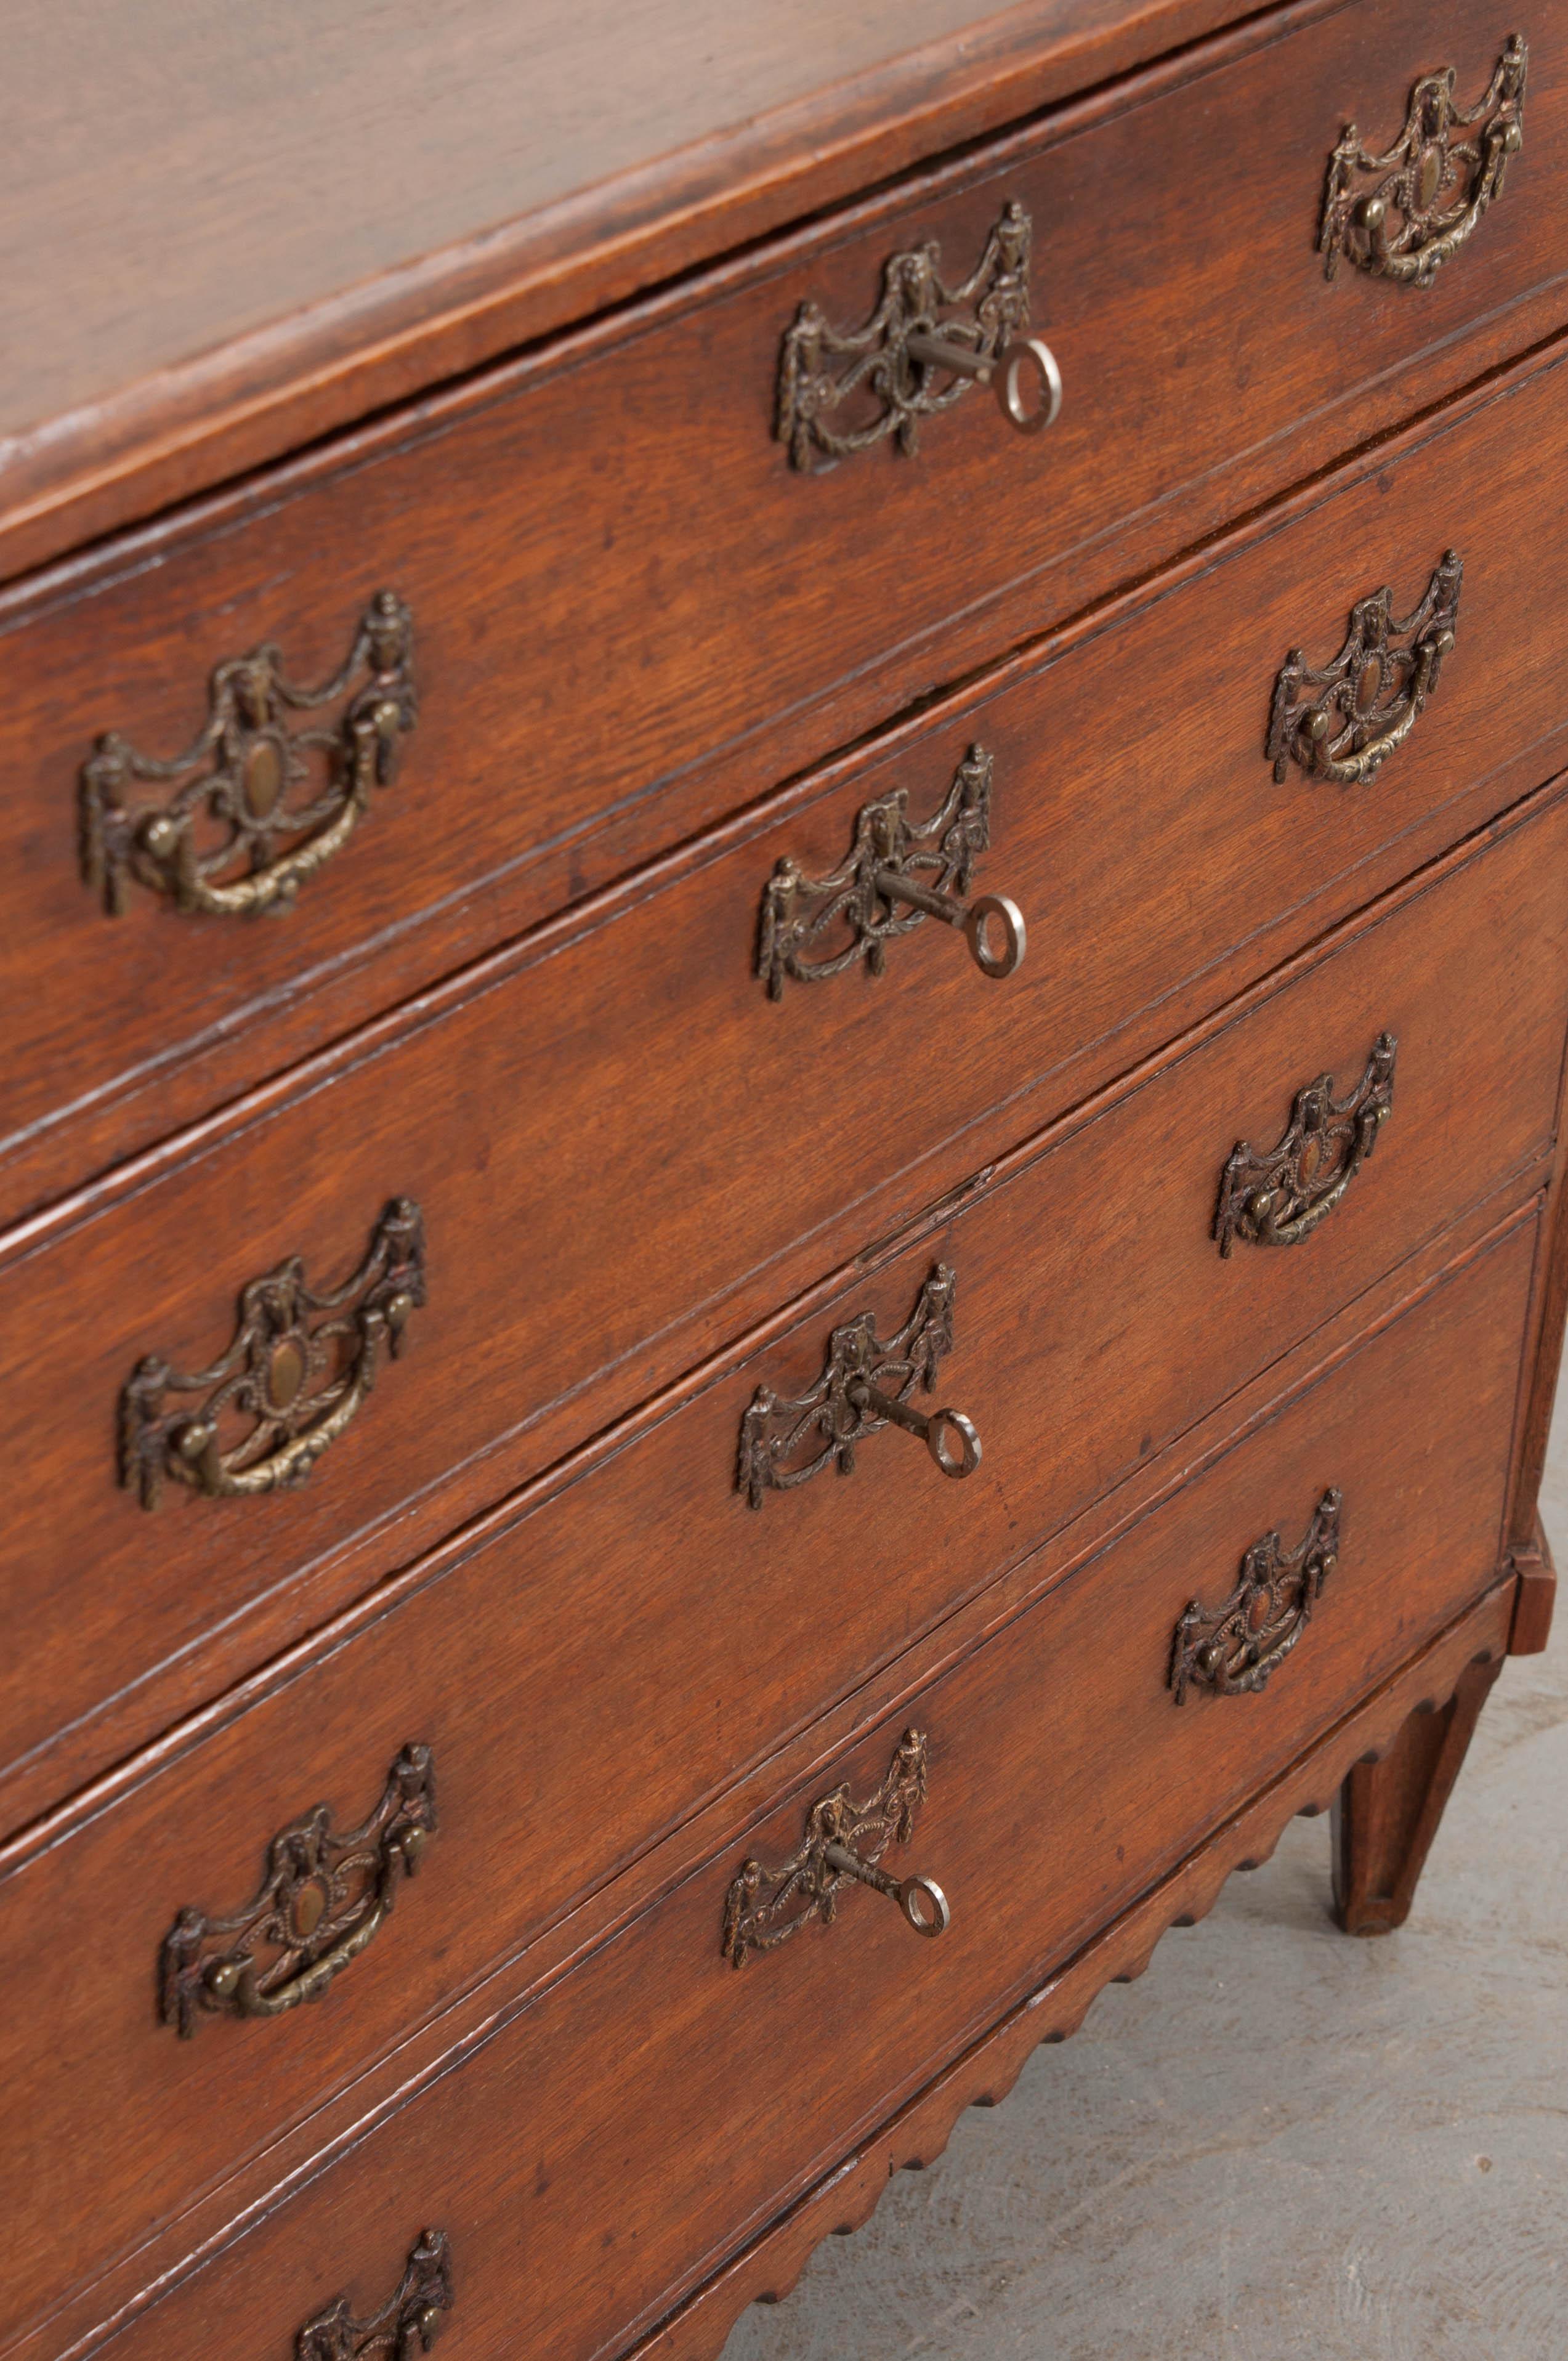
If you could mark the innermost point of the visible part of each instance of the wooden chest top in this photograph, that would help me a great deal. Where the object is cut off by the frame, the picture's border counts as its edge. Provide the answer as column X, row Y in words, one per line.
column 351, row 205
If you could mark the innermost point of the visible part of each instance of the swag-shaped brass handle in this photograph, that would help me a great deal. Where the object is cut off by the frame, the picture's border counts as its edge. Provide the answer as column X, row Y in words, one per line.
column 865, row 1386
column 898, row 872
column 841, row 390
column 256, row 804
column 299, row 1371
column 1277, row 1196
column 1401, row 216
column 406, row 2323
column 1344, row 722
column 325, row 1894
column 843, row 1844
column 1233, row 1648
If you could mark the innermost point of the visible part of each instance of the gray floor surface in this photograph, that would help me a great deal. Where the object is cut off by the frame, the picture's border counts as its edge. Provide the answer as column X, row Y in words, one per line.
column 1281, row 2142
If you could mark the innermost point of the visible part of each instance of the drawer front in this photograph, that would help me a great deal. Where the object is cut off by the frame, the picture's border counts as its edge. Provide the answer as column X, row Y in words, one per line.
column 656, row 2105
column 529, row 1119
column 1094, row 1319
column 631, row 612
column 485, row 1342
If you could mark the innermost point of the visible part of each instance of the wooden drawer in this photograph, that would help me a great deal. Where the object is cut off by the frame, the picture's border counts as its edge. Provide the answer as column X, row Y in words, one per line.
column 619, row 635
column 1459, row 970
column 1094, row 1320
column 533, row 1116
column 658, row 2091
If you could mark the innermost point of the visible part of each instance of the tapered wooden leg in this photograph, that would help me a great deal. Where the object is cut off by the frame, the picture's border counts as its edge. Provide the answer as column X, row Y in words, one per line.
column 1387, row 1813
column 1536, row 1596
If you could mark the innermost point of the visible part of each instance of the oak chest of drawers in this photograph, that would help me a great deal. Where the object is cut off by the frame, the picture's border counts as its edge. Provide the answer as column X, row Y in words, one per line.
column 786, row 970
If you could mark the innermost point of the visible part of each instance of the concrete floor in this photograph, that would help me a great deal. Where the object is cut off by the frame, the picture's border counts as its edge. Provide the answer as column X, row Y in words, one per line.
column 1280, row 2143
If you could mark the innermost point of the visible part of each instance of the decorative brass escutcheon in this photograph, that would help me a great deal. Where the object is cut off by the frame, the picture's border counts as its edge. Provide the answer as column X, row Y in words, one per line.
column 301, row 1368
column 1233, row 1649
column 1401, row 216
column 1277, row 1196
column 864, row 1386
column 326, row 1893
column 899, row 872
column 257, row 805
column 844, row 1842
column 1344, row 722
column 921, row 350
column 406, row 2323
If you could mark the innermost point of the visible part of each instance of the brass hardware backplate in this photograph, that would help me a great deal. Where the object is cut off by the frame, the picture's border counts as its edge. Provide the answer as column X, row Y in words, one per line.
column 844, row 1842
column 406, row 2322
column 1402, row 214
column 301, row 1363
column 1344, row 722
column 1233, row 1649
column 255, row 805
column 325, row 1892
column 843, row 390
column 864, row 1386
column 813, row 928
column 1277, row 1196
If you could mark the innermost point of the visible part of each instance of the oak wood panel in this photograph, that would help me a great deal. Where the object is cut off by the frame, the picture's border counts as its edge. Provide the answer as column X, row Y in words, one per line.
column 847, row 2195
column 549, row 161
column 1145, row 847
column 1064, row 1780
column 1456, row 970
column 590, row 626
column 648, row 1601
column 812, row 1758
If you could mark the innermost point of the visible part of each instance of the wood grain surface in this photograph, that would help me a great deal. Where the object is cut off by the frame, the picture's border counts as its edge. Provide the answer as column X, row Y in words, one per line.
column 226, row 233
column 648, row 1600
column 1453, row 970
column 671, row 2101
column 847, row 2195
column 485, row 308
column 578, row 650
column 812, row 1758
column 1146, row 848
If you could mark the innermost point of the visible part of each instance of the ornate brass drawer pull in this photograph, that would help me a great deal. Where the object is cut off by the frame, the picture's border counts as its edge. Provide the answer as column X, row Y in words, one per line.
column 325, row 1894
column 1233, row 1649
column 407, row 2322
column 882, row 890
column 864, row 1386
column 1431, row 188
column 921, row 350
column 1278, row 1196
column 257, row 806
column 299, row 1385
column 844, row 1841
column 1344, row 722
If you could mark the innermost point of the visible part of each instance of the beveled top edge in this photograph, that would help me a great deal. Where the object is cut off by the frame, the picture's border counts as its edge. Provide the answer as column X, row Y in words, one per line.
column 201, row 416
